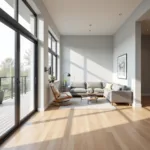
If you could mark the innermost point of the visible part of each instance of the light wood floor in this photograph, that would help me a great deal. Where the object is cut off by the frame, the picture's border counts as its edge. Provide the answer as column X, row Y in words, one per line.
column 121, row 129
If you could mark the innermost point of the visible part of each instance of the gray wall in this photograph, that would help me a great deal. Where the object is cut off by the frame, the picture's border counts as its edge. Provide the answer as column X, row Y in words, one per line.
column 45, row 23
column 145, row 65
column 127, row 40
column 87, row 58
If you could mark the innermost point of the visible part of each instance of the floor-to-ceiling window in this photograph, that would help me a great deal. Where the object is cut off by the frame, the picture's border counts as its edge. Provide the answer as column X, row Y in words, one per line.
column 53, row 56
column 7, row 73
column 18, row 64
column 26, row 76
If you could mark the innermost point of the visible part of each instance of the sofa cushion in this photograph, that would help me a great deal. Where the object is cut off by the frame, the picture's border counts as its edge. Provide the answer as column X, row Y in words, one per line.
column 103, row 85
column 78, row 90
column 98, row 90
column 94, row 85
column 65, row 95
column 89, row 90
column 78, row 85
column 117, row 87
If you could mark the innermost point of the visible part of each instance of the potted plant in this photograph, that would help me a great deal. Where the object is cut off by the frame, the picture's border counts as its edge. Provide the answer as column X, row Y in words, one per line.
column 1, row 96
column 52, row 79
column 65, row 82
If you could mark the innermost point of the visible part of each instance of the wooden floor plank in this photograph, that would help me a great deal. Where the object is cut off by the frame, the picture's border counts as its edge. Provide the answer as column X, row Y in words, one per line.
column 63, row 129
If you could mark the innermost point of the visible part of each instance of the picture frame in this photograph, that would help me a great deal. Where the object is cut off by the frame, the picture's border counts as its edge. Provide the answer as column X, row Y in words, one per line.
column 122, row 66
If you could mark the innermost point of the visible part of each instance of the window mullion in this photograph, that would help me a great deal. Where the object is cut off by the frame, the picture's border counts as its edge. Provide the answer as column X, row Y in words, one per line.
column 16, row 9
column 56, row 62
column 52, row 63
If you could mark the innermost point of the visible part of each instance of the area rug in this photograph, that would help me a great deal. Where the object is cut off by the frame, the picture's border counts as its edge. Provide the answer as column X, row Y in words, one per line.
column 101, row 104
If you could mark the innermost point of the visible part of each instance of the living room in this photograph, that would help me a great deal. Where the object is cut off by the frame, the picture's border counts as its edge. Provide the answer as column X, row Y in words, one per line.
column 89, row 59
column 74, row 75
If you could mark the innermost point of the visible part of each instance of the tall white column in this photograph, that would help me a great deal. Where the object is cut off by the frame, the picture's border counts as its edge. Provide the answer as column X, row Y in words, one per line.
column 137, row 89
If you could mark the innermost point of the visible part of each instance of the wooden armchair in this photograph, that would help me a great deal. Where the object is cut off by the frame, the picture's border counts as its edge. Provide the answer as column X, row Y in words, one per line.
column 60, row 97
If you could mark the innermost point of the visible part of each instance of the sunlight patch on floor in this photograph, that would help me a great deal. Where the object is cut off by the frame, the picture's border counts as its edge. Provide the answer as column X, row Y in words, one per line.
column 24, row 136
column 136, row 115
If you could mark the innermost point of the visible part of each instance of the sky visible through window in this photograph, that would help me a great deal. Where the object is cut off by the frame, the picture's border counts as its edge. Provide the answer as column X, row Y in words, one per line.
column 7, row 47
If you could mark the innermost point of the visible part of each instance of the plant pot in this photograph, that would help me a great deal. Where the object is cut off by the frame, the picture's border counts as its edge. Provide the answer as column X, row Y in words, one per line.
column 1, row 96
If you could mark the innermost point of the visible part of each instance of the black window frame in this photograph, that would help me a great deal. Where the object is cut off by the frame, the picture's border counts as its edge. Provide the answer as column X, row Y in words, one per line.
column 53, row 54
column 13, row 23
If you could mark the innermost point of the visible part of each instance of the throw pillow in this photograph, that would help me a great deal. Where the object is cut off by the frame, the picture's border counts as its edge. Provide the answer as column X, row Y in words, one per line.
column 108, row 86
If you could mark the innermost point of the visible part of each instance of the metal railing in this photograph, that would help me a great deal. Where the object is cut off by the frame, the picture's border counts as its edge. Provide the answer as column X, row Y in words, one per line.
column 7, row 84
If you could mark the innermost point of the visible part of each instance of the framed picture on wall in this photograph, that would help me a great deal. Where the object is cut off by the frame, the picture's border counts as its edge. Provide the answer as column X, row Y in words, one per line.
column 122, row 66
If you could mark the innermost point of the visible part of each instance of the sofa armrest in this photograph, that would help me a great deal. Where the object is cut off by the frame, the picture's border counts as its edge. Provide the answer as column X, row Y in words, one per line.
column 121, row 97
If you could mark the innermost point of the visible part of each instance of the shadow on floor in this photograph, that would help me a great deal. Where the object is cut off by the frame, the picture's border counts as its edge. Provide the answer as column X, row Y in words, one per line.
column 131, row 134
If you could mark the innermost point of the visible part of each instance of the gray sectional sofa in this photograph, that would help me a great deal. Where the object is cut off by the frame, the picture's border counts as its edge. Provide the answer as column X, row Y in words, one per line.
column 115, row 94
column 82, row 88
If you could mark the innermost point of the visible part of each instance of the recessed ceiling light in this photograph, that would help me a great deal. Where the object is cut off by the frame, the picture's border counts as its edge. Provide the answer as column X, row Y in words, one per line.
column 89, row 30
column 120, row 14
column 90, row 25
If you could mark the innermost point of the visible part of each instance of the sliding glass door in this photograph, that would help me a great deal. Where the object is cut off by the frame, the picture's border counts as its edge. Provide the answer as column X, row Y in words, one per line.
column 18, row 64
column 26, row 76
column 7, row 78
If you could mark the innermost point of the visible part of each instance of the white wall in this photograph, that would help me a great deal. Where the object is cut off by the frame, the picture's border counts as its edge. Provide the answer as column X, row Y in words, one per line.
column 45, row 23
column 145, row 74
column 127, row 40
column 87, row 58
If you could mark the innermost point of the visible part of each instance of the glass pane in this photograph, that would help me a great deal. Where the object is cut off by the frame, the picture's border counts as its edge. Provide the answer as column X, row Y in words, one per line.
column 49, row 65
column 54, row 66
column 26, row 77
column 53, row 45
column 7, row 73
column 58, row 68
column 26, row 18
column 8, row 6
column 49, row 41
column 58, row 48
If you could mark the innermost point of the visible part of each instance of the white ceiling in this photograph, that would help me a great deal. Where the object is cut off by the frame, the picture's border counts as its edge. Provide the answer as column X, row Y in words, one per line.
column 72, row 17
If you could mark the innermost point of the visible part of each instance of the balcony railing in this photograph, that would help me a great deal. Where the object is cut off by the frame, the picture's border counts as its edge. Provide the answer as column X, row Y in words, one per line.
column 7, row 84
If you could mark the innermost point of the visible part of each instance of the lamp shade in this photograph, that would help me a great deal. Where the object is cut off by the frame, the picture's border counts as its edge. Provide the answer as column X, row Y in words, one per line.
column 69, row 75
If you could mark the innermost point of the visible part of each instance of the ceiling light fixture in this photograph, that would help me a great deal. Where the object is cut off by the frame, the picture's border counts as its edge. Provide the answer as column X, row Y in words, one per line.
column 90, row 25
column 89, row 30
column 120, row 14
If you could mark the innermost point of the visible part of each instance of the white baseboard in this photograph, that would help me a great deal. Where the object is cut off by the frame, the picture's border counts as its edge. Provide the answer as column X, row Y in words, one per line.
column 136, row 105
column 43, row 109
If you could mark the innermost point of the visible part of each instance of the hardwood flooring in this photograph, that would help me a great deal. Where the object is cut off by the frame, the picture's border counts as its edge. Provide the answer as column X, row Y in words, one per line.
column 122, row 129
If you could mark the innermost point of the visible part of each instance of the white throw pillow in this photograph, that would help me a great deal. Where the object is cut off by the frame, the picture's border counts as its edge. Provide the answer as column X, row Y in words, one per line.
column 108, row 86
